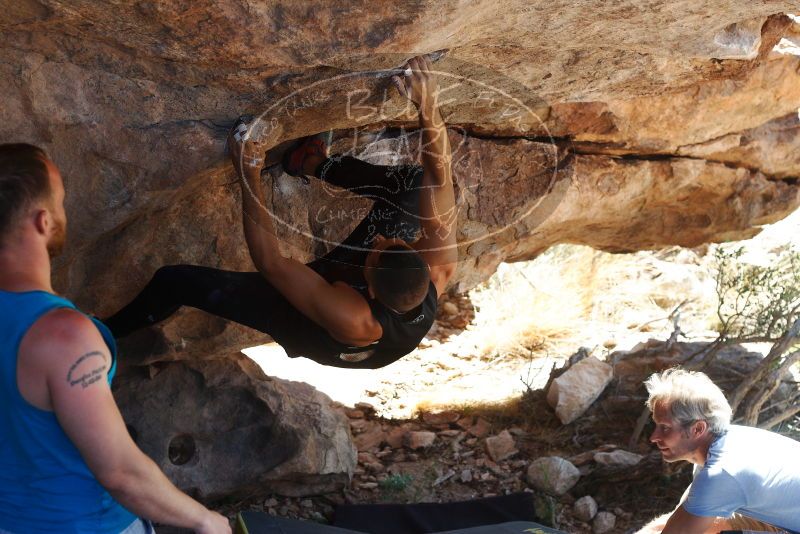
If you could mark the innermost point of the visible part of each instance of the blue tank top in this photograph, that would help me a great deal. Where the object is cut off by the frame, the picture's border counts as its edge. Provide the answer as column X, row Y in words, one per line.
column 45, row 486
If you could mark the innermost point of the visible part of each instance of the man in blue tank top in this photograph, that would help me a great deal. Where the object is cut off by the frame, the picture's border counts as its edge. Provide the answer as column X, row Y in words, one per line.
column 745, row 479
column 67, row 462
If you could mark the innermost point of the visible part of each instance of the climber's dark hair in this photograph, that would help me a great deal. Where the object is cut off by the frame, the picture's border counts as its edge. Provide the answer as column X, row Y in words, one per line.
column 401, row 278
column 23, row 180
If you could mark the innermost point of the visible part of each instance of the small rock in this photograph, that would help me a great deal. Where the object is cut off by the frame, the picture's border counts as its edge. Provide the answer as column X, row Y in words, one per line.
column 466, row 475
column 353, row 413
column 357, row 426
column 466, row 422
column 365, row 407
column 375, row 467
column 501, row 446
column 371, row 438
column 619, row 512
column 585, row 508
column 481, row 428
column 618, row 457
column 419, row 439
column 441, row 418
column 449, row 433
column 444, row 477
column 394, row 438
column 603, row 522
column 307, row 503
column 459, row 322
column 449, row 308
column 272, row 502
column 496, row 469
column 573, row 392
column 368, row 485
column 588, row 456
column 366, row 458
column 370, row 463
column 553, row 475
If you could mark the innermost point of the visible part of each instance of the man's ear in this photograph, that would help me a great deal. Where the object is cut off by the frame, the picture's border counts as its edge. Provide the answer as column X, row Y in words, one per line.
column 699, row 428
column 42, row 222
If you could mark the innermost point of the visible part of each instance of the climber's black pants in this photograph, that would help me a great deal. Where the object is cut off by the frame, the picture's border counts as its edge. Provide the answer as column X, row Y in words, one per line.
column 248, row 299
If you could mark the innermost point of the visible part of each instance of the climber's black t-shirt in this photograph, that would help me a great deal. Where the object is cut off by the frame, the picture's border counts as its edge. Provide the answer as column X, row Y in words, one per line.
column 395, row 214
column 248, row 299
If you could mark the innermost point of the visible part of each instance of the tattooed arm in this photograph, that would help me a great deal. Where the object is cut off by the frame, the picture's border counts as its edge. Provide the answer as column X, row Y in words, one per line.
column 63, row 367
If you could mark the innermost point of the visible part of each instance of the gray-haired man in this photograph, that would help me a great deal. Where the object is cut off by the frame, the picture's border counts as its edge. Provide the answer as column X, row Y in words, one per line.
column 744, row 478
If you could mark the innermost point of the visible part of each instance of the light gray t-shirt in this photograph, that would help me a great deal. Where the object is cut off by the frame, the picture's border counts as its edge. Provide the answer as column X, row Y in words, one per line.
column 753, row 472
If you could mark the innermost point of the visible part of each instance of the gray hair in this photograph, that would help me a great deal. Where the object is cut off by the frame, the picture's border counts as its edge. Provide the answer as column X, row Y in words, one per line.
column 690, row 396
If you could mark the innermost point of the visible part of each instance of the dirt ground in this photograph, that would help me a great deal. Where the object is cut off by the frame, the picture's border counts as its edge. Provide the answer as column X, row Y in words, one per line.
column 457, row 465
column 481, row 372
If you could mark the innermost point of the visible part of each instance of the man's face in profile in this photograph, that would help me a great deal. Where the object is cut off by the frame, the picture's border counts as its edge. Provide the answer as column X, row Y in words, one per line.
column 673, row 440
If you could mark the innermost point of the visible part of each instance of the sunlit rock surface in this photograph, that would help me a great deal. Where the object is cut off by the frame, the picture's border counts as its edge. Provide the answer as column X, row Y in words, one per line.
column 133, row 100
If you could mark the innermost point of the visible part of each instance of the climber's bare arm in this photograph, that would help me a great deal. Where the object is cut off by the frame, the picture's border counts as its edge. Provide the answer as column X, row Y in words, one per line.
column 337, row 308
column 682, row 522
column 437, row 199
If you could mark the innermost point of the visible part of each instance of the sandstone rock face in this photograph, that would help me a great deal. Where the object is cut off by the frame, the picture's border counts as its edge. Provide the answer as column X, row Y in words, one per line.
column 675, row 126
column 574, row 391
column 664, row 124
column 553, row 475
column 221, row 428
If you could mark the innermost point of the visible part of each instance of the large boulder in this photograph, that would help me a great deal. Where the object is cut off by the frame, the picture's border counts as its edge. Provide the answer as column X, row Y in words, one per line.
column 223, row 429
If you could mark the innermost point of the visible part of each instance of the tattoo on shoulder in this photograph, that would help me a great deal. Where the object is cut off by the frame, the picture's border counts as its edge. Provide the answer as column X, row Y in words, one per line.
column 87, row 370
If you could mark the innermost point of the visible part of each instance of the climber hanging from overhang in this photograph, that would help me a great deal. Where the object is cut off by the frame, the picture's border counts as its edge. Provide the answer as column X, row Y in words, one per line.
column 370, row 300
